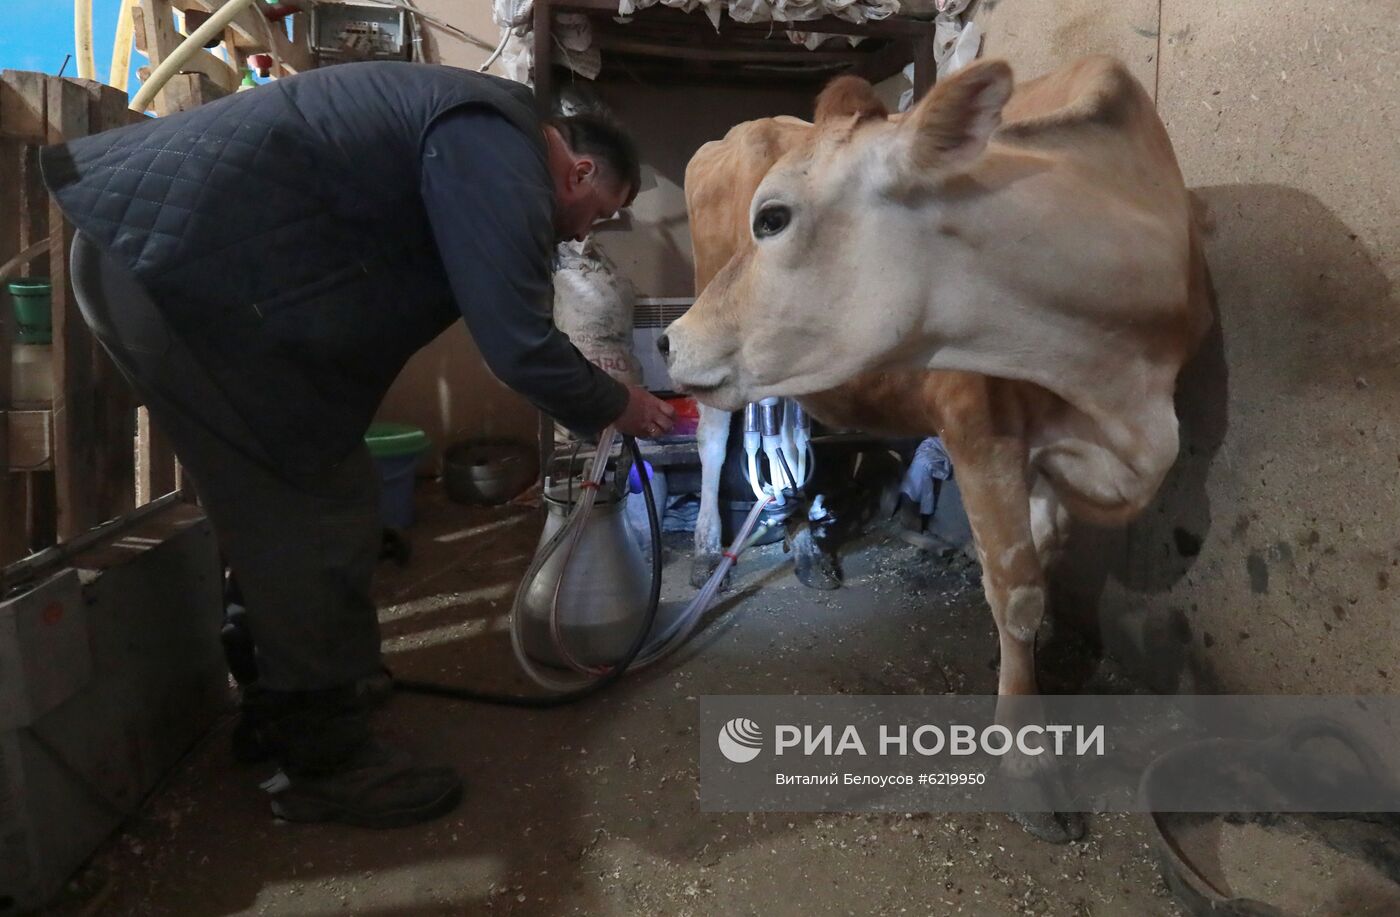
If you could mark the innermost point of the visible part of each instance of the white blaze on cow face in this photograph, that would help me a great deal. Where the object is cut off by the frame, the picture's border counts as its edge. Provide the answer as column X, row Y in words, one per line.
column 835, row 279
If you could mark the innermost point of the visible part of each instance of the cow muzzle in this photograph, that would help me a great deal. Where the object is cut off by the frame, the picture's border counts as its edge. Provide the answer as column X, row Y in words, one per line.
column 700, row 369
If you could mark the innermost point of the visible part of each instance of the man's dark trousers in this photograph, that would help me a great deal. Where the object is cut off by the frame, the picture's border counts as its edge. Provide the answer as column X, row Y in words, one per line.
column 303, row 548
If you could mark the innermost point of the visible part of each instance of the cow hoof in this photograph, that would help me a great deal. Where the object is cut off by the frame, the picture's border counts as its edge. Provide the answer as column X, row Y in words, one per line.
column 817, row 572
column 703, row 567
column 1052, row 827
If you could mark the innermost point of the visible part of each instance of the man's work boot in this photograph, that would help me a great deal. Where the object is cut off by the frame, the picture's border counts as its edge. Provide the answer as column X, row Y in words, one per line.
column 375, row 787
column 333, row 770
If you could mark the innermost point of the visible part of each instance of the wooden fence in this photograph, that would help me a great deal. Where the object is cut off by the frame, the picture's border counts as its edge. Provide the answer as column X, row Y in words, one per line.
column 87, row 453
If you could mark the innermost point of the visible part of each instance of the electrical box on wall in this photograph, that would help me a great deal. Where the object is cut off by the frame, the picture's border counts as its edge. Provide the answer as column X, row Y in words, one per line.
column 342, row 32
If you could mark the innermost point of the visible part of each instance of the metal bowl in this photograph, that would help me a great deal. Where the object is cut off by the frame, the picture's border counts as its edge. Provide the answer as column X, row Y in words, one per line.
column 488, row 472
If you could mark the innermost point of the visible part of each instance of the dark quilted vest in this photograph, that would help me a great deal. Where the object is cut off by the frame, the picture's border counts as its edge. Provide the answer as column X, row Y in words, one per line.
column 282, row 233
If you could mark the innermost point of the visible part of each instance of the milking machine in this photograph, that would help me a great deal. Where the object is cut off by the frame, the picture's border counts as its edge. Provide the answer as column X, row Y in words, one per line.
column 585, row 612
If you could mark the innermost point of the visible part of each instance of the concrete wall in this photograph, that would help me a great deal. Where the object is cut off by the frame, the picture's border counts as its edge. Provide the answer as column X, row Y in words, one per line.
column 1271, row 560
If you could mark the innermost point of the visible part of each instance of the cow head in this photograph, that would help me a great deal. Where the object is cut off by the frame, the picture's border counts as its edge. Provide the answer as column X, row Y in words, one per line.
column 833, row 280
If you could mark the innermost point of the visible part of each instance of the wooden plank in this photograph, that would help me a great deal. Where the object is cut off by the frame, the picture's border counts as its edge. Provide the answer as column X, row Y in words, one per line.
column 138, row 30
column 297, row 55
column 31, row 440
column 301, row 37
column 29, row 105
column 544, row 48
column 157, row 471
column 113, row 403
column 238, row 56
column 724, row 77
column 75, row 427
column 108, row 107
column 893, row 27
column 157, row 19
column 41, row 507
column 190, row 90
column 925, row 69
column 247, row 36
column 33, row 208
column 795, row 55
column 158, row 23
column 213, row 67
column 14, row 527
column 22, row 106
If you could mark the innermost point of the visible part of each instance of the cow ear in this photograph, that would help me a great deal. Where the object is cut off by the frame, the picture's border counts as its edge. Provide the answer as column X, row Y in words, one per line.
column 848, row 96
column 950, row 127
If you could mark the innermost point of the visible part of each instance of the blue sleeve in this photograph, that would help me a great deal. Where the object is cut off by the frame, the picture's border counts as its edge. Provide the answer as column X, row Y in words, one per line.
column 490, row 201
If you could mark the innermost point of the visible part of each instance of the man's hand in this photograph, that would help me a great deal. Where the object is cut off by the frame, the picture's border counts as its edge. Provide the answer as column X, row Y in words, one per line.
column 645, row 416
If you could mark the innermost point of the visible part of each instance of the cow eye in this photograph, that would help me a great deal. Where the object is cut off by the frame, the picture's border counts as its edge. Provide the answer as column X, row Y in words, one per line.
column 771, row 220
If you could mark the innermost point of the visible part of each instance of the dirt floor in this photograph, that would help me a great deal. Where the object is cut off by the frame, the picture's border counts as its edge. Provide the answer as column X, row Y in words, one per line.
column 593, row 809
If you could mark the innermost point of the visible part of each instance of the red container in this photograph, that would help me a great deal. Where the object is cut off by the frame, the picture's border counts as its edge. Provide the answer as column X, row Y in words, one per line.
column 687, row 415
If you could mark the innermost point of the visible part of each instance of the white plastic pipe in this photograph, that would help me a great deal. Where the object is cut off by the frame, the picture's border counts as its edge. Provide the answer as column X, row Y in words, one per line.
column 187, row 49
column 82, row 39
column 751, row 444
column 121, row 46
column 788, row 445
column 756, row 479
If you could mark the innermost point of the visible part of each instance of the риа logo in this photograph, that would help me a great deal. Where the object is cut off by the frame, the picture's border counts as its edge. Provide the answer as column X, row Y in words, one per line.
column 740, row 740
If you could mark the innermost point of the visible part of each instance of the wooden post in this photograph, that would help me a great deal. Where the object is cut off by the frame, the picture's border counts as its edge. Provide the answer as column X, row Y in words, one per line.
column 160, row 38
column 157, row 472
column 24, row 221
column 544, row 96
column 113, row 402
column 158, row 25
column 14, row 523
column 189, row 90
column 925, row 70
column 544, row 47
column 74, row 403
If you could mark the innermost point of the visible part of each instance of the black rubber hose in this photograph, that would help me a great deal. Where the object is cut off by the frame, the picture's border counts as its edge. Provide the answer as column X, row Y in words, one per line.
column 796, row 484
column 455, row 692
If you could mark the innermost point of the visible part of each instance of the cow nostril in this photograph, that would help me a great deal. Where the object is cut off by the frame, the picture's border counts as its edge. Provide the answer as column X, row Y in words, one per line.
column 663, row 344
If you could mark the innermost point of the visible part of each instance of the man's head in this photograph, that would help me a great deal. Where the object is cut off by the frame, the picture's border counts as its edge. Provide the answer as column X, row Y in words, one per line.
column 595, row 168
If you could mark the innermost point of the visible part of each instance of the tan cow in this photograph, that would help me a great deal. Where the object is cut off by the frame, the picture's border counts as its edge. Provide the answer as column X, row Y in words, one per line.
column 1018, row 272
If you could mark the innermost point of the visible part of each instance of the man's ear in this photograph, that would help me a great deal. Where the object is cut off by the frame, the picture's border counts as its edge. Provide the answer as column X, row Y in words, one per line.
column 949, row 129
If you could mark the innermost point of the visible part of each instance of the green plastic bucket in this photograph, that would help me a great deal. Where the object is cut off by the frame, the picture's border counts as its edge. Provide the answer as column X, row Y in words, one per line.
column 33, row 304
column 396, row 448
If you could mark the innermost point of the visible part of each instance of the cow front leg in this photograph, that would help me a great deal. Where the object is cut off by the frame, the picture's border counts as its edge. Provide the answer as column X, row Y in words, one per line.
column 992, row 479
column 1049, row 522
column 986, row 441
column 1049, row 530
column 712, row 441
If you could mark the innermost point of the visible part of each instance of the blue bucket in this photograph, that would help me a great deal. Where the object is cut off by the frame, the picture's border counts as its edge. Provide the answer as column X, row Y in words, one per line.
column 396, row 449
